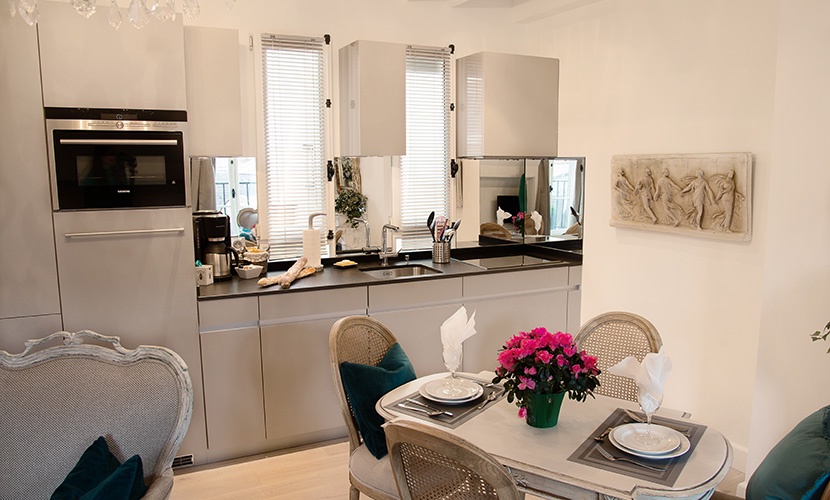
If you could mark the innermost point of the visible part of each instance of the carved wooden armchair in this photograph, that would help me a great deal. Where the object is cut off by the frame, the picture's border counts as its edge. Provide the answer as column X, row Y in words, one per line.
column 56, row 401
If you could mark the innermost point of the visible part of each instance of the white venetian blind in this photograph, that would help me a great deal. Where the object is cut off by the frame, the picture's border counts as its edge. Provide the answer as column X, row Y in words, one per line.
column 294, row 83
column 424, row 172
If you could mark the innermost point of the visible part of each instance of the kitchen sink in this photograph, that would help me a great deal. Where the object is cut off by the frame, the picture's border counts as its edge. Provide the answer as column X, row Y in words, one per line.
column 406, row 271
column 510, row 261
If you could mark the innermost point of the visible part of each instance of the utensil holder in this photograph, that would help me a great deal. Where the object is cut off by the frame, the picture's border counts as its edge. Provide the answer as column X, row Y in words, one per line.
column 441, row 252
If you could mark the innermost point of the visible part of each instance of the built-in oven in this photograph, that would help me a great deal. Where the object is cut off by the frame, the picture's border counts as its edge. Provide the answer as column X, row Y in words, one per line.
column 117, row 158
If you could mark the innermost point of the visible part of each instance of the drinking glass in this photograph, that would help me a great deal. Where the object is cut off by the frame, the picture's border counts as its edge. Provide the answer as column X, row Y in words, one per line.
column 649, row 404
column 452, row 360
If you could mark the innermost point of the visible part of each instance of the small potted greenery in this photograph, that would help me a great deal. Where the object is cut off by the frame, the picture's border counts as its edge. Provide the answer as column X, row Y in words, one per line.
column 352, row 204
column 822, row 335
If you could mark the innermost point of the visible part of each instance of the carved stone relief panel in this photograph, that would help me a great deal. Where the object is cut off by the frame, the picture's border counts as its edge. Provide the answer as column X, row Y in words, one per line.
column 707, row 195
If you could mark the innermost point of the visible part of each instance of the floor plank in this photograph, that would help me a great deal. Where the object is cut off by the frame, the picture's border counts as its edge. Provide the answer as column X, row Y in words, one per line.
column 316, row 473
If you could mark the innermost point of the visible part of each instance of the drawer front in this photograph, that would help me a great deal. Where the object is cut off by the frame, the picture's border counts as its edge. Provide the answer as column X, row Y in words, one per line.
column 414, row 293
column 227, row 314
column 300, row 306
column 515, row 282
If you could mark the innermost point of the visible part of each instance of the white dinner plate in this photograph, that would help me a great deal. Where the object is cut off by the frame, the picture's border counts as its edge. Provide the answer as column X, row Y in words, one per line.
column 438, row 391
column 666, row 440
column 683, row 444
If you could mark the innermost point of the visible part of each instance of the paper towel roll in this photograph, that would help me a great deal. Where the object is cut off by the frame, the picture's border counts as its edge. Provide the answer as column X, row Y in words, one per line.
column 311, row 247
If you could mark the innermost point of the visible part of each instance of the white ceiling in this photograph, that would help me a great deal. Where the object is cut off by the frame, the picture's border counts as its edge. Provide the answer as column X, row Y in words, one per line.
column 520, row 11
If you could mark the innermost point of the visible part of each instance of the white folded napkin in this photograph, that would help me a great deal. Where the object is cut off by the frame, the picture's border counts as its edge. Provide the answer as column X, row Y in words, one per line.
column 454, row 331
column 537, row 220
column 650, row 376
column 501, row 215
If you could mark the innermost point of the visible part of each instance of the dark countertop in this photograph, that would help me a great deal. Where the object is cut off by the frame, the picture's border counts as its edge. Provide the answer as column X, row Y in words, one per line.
column 333, row 277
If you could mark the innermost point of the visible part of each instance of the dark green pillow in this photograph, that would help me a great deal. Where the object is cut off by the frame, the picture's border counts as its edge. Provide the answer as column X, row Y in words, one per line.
column 125, row 483
column 98, row 465
column 798, row 467
column 366, row 384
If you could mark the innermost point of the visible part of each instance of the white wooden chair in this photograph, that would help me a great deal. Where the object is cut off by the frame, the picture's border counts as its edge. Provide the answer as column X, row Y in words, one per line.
column 432, row 464
column 56, row 401
column 613, row 336
column 361, row 339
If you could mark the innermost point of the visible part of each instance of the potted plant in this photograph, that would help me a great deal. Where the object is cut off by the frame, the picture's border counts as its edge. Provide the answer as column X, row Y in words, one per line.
column 822, row 335
column 538, row 368
column 350, row 203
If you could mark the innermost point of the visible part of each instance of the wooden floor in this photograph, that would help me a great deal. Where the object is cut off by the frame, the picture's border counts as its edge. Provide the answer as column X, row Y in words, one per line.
column 316, row 473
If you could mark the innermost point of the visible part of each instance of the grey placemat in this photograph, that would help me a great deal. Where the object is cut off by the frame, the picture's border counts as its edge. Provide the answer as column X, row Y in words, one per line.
column 460, row 413
column 587, row 453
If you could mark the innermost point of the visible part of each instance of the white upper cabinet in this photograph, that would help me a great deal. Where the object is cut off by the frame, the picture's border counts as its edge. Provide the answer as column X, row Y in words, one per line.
column 86, row 63
column 373, row 99
column 508, row 106
column 214, row 106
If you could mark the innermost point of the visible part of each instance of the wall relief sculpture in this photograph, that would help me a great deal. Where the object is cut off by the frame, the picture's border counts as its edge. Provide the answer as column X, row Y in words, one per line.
column 707, row 195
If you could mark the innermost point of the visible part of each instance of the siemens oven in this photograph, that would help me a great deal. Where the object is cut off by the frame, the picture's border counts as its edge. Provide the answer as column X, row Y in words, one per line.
column 104, row 159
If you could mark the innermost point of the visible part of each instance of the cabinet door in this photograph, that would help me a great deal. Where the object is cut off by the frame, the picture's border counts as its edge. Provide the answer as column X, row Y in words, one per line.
column 373, row 99
column 300, row 401
column 87, row 64
column 214, row 106
column 419, row 333
column 233, row 392
column 301, row 404
column 508, row 303
column 414, row 312
column 29, row 283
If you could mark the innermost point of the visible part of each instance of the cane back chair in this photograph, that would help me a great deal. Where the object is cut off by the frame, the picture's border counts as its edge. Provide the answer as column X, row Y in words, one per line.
column 432, row 464
column 613, row 336
column 364, row 340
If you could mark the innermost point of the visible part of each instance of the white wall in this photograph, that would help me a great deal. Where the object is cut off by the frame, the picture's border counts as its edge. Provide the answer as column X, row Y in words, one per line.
column 792, row 371
column 670, row 76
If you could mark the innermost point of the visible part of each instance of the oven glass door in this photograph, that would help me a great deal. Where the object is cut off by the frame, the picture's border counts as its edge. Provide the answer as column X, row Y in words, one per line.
column 116, row 169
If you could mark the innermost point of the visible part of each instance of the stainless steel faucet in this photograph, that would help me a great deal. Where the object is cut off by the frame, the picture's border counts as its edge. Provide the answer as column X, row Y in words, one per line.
column 367, row 248
column 385, row 250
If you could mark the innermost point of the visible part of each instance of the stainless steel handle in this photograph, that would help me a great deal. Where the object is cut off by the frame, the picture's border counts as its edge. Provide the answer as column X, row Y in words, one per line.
column 125, row 233
column 137, row 142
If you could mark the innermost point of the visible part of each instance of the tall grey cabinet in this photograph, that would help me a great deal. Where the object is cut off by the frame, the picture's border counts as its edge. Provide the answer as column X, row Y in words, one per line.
column 29, row 303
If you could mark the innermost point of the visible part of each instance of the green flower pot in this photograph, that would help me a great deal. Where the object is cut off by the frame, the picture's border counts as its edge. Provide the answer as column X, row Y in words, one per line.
column 543, row 409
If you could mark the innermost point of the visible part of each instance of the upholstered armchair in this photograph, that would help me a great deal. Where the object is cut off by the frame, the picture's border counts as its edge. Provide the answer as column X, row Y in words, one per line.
column 55, row 401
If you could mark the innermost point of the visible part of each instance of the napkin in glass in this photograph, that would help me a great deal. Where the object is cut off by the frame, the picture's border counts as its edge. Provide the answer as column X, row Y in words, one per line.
column 454, row 331
column 501, row 215
column 536, row 217
column 650, row 376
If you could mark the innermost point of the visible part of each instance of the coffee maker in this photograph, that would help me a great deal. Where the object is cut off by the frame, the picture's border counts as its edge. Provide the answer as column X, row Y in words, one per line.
column 212, row 241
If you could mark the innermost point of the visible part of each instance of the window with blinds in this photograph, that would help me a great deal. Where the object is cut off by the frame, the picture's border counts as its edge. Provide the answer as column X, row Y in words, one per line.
column 294, row 80
column 424, row 171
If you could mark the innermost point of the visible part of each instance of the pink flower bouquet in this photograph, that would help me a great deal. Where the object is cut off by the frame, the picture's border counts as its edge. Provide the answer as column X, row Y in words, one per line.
column 540, row 362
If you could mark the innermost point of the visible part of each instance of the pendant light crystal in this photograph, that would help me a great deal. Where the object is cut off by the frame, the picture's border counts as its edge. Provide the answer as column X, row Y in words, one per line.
column 164, row 10
column 28, row 11
column 83, row 7
column 137, row 14
column 12, row 7
column 191, row 8
column 115, row 18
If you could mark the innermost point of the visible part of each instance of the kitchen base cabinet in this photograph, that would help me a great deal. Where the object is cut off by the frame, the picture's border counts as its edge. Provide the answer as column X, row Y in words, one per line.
column 232, row 371
column 414, row 312
column 300, row 401
column 14, row 332
column 574, row 299
column 507, row 303
column 301, row 404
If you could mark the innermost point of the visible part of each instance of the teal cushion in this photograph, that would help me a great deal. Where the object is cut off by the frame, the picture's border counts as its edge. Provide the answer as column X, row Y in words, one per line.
column 125, row 483
column 98, row 466
column 798, row 467
column 365, row 384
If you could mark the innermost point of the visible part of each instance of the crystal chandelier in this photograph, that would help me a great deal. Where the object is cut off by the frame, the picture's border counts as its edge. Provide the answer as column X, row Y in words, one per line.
column 138, row 12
